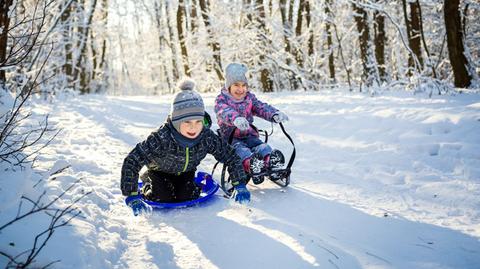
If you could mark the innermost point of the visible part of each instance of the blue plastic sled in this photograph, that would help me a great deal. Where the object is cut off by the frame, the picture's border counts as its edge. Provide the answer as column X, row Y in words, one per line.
column 205, row 180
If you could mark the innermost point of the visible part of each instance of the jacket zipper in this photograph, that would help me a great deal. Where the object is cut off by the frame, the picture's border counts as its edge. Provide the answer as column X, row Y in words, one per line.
column 186, row 160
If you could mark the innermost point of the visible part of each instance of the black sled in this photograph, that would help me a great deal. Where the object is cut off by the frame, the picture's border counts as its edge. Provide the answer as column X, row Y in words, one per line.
column 278, row 175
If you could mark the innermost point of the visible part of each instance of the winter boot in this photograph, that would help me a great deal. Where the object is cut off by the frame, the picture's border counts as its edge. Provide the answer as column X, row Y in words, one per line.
column 257, row 166
column 277, row 161
column 147, row 185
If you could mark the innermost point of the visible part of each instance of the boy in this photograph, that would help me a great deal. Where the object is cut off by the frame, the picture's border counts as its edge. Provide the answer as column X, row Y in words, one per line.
column 173, row 152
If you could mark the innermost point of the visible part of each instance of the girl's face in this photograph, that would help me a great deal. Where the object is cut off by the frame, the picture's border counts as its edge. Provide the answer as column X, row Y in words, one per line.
column 238, row 90
column 191, row 128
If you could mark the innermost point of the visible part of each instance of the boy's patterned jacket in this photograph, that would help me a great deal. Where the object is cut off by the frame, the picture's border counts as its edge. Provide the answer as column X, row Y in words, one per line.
column 228, row 109
column 162, row 152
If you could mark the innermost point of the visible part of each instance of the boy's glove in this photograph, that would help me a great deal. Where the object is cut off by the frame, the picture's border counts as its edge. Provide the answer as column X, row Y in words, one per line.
column 241, row 123
column 241, row 194
column 138, row 206
column 280, row 117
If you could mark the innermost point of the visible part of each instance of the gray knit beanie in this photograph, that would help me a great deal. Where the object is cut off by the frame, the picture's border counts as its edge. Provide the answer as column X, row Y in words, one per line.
column 187, row 104
column 235, row 72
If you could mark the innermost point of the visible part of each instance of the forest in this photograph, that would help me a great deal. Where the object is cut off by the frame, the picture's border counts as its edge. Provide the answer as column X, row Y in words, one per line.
column 383, row 101
column 144, row 47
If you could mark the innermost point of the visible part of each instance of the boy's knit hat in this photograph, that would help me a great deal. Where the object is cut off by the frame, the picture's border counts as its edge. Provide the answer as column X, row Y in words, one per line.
column 187, row 104
column 235, row 72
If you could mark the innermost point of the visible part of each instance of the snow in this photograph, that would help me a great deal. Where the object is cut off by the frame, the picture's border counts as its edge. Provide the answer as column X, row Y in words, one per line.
column 391, row 181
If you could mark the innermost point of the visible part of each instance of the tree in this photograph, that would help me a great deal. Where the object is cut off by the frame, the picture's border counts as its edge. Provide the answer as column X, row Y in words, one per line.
column 380, row 38
column 181, row 20
column 308, row 18
column 455, row 39
column 328, row 29
column 412, row 24
column 4, row 27
column 162, row 41
column 99, row 52
column 214, row 45
column 298, row 53
column 265, row 79
column 81, row 72
column 361, row 20
column 67, row 31
column 172, row 42
column 193, row 16
column 287, row 27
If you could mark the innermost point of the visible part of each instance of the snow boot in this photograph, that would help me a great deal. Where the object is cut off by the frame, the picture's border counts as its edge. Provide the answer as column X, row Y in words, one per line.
column 257, row 166
column 277, row 161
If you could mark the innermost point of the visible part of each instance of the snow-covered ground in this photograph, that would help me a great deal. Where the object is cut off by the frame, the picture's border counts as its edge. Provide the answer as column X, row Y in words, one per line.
column 391, row 181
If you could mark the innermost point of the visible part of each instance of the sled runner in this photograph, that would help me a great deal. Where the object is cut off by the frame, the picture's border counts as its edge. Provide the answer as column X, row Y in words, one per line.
column 278, row 175
column 205, row 180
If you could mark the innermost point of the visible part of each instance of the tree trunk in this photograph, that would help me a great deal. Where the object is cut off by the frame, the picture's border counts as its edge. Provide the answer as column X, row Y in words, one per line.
column 455, row 44
column 265, row 79
column 247, row 5
column 328, row 29
column 204, row 6
column 193, row 16
column 290, row 47
column 104, row 41
column 429, row 58
column 286, row 27
column 412, row 23
column 298, row 32
column 99, row 50
column 290, row 13
column 67, row 40
column 415, row 35
column 94, row 56
column 161, row 42
column 310, row 30
column 181, row 12
column 380, row 38
column 361, row 20
column 4, row 25
column 172, row 42
column 81, row 72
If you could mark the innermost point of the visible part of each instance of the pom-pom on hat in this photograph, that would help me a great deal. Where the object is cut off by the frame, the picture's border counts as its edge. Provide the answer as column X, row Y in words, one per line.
column 235, row 72
column 187, row 104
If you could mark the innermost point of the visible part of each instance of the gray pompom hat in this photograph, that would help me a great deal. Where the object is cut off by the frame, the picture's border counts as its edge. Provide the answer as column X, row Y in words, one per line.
column 235, row 72
column 187, row 104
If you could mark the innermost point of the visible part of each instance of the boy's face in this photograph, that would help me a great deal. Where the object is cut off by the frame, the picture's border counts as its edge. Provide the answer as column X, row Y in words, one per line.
column 238, row 90
column 191, row 128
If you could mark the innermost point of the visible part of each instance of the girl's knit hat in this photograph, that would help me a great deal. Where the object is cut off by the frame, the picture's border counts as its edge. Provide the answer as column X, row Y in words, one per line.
column 187, row 104
column 235, row 72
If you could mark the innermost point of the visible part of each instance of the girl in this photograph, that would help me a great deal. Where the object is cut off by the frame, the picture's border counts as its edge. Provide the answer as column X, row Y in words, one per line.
column 235, row 107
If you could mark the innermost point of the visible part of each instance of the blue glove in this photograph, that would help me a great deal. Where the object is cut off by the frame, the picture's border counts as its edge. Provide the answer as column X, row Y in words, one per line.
column 241, row 194
column 138, row 206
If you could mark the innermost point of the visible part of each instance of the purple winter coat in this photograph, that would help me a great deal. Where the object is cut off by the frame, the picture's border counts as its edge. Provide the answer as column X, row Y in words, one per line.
column 228, row 109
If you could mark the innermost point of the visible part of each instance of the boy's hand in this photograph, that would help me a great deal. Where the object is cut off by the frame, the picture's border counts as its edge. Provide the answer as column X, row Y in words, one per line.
column 280, row 117
column 138, row 206
column 241, row 194
column 241, row 123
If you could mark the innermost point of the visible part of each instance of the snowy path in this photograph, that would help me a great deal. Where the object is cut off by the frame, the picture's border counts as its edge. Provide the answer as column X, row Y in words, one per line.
column 386, row 182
